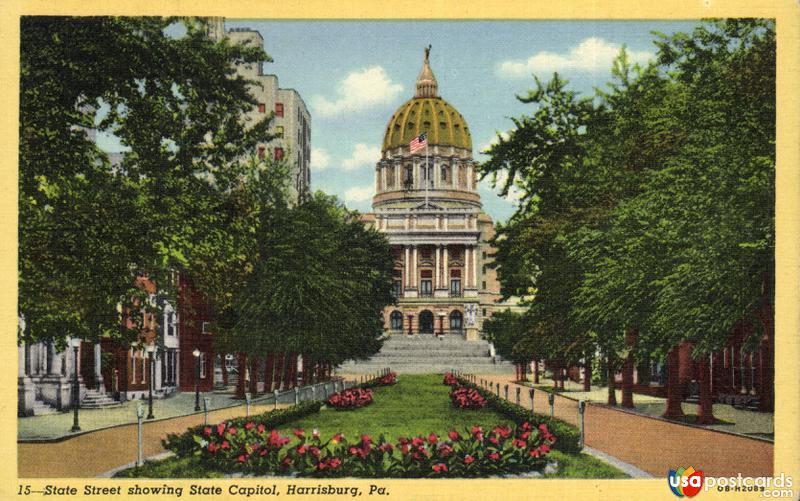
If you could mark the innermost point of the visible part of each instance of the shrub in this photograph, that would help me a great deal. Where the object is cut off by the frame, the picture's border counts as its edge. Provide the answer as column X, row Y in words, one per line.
column 388, row 379
column 352, row 398
column 467, row 398
column 568, row 435
column 450, row 379
column 182, row 444
column 475, row 453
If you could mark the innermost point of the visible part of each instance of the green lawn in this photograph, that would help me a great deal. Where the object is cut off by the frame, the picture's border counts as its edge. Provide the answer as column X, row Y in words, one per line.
column 417, row 405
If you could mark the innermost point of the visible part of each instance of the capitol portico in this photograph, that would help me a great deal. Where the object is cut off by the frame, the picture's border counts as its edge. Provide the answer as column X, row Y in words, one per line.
column 427, row 204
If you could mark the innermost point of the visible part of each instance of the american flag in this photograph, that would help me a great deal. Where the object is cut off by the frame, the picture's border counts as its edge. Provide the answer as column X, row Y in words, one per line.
column 419, row 142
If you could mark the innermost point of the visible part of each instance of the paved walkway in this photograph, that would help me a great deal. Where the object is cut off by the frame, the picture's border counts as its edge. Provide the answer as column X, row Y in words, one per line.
column 654, row 445
column 94, row 453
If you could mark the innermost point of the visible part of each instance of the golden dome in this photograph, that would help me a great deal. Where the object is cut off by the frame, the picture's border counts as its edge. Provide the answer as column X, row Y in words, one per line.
column 427, row 112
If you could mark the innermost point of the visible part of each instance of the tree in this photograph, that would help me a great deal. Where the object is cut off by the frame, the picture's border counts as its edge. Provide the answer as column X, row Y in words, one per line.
column 89, row 228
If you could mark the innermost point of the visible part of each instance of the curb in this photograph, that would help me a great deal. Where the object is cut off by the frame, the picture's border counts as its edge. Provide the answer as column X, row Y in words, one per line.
column 110, row 473
column 628, row 468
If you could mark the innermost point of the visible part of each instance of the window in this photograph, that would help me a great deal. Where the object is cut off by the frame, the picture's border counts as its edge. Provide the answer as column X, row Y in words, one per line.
column 261, row 152
column 456, row 320
column 279, row 131
column 455, row 287
column 206, row 327
column 390, row 176
column 278, row 109
column 484, row 285
column 396, row 319
column 278, row 154
column 426, row 287
column 262, row 108
column 409, row 175
column 444, row 173
column 202, row 365
column 170, row 323
column 426, row 253
column 397, row 288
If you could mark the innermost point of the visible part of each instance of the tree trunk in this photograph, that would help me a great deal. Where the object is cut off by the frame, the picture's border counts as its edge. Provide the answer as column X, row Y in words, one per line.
column 269, row 365
column 224, row 371
column 766, row 397
column 241, row 360
column 612, row 393
column 627, row 371
column 253, row 375
column 674, row 388
column 587, row 374
column 292, row 372
column 279, row 363
column 536, row 372
column 705, row 412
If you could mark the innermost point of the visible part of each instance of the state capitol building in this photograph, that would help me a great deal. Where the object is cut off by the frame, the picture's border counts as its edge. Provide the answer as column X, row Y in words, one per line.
column 428, row 206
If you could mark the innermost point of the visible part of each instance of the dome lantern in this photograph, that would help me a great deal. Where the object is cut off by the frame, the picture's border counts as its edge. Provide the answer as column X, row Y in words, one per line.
column 426, row 82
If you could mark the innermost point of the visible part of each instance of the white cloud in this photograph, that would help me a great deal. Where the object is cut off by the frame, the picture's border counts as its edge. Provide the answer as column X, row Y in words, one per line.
column 320, row 160
column 514, row 193
column 359, row 193
column 362, row 156
column 592, row 54
column 495, row 139
column 360, row 90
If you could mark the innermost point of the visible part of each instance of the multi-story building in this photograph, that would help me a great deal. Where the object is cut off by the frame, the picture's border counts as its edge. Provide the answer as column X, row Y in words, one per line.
column 291, row 122
column 427, row 204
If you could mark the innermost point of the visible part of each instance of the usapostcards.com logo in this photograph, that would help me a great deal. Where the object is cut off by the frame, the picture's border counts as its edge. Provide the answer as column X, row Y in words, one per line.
column 685, row 481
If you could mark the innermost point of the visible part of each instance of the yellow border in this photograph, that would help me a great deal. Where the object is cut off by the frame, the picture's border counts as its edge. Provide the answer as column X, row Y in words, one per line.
column 787, row 13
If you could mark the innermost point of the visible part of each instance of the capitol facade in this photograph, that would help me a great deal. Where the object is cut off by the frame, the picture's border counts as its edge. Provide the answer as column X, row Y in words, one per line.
column 426, row 203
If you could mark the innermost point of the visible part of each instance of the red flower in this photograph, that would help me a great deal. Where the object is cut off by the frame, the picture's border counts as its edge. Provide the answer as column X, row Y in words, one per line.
column 534, row 453
column 225, row 445
column 404, row 449
column 212, row 447
column 417, row 442
column 366, row 439
column 298, row 432
column 402, row 440
column 249, row 426
column 520, row 443
column 439, row 468
column 261, row 428
column 232, row 430
column 207, row 431
column 432, row 438
column 503, row 431
column 494, row 440
column 468, row 459
column 301, row 449
column 262, row 452
column 337, row 438
column 386, row 447
column 476, row 430
column 335, row 462
column 454, row 435
column 494, row 455
column 220, row 429
column 544, row 448
column 525, row 435
column 286, row 461
column 314, row 451
column 543, row 428
column 445, row 450
column 242, row 458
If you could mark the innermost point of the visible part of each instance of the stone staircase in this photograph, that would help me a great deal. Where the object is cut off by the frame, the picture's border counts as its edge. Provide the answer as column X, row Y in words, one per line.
column 40, row 408
column 97, row 400
column 427, row 354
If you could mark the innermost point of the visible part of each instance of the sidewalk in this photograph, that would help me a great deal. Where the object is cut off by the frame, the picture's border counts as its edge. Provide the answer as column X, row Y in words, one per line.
column 650, row 444
column 94, row 453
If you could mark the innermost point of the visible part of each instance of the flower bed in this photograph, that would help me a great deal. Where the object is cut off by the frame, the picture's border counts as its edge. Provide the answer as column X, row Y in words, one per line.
column 184, row 443
column 475, row 453
column 352, row 398
column 568, row 435
column 463, row 397
column 450, row 379
column 388, row 379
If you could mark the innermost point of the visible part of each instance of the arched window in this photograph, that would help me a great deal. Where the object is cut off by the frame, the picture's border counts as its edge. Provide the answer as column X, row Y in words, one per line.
column 396, row 319
column 390, row 176
column 456, row 320
column 445, row 174
column 426, row 322
column 408, row 175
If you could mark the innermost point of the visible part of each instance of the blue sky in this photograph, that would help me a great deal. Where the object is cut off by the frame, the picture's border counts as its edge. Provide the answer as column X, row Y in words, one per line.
column 354, row 74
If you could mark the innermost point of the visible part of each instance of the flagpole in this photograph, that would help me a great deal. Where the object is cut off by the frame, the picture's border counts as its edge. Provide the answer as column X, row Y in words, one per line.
column 427, row 172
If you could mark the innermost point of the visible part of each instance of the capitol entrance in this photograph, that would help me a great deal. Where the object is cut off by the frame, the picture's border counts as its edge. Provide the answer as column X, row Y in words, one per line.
column 426, row 322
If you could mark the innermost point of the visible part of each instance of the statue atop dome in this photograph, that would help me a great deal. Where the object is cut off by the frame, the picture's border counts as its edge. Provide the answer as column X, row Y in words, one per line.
column 426, row 82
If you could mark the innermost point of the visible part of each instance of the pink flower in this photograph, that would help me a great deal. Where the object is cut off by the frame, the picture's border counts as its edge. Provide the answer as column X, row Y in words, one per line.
column 207, row 431
column 220, row 429
column 468, row 459
column 520, row 443
column 432, row 438
column 225, row 445
column 301, row 449
column 544, row 448
column 495, row 456
column 298, row 432
column 249, row 426
column 314, row 451
column 534, row 453
column 366, row 439
column 335, row 462
column 212, row 447
column 242, row 458
column 476, row 430
column 453, row 435
column 526, row 426
column 439, row 468
column 232, row 430
column 445, row 450
column 503, row 431
column 261, row 428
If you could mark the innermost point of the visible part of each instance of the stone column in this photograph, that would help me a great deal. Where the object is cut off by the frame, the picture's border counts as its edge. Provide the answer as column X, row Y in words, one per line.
column 436, row 269
column 407, row 267
column 398, row 171
column 467, row 274
column 25, row 390
column 98, row 367
column 414, row 268
column 445, row 269
column 475, row 266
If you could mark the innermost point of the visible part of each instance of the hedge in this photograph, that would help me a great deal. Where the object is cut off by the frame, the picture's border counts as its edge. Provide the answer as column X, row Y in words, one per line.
column 184, row 443
column 568, row 435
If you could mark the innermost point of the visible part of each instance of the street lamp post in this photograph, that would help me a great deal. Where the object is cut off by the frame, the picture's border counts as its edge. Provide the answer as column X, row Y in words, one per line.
column 76, row 392
column 410, row 319
column 441, row 323
column 151, row 349
column 196, row 354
